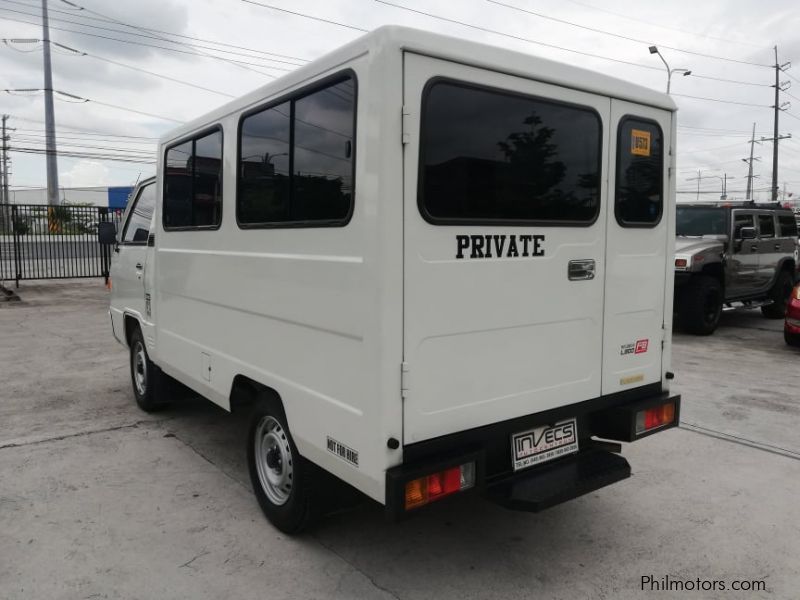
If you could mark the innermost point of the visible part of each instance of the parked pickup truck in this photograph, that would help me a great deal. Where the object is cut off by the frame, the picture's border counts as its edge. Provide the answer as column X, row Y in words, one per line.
column 732, row 253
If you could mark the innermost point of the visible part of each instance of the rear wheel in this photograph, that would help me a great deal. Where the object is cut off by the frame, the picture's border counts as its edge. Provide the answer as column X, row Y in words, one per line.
column 779, row 294
column 284, row 482
column 702, row 305
column 791, row 339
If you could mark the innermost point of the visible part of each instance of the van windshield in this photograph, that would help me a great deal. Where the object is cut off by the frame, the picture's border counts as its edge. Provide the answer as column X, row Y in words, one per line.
column 696, row 221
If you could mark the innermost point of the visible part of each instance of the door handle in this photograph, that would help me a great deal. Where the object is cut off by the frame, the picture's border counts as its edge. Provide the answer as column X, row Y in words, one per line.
column 753, row 248
column 138, row 266
column 580, row 270
column 777, row 246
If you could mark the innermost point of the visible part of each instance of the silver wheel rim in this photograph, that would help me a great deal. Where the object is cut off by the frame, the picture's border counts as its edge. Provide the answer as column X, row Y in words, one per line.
column 274, row 460
column 139, row 368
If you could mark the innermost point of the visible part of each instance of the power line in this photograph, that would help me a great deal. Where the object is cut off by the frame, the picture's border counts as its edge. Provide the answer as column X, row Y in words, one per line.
column 88, row 131
column 661, row 26
column 720, row 100
column 625, row 37
column 284, row 10
column 171, row 33
column 110, row 157
column 737, row 81
column 147, row 45
column 515, row 37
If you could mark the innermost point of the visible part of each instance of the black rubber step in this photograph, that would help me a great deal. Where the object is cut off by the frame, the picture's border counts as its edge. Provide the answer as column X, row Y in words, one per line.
column 542, row 487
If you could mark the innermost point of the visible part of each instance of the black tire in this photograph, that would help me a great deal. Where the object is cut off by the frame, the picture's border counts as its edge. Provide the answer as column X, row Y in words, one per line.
column 285, row 484
column 701, row 305
column 779, row 294
column 791, row 339
column 146, row 378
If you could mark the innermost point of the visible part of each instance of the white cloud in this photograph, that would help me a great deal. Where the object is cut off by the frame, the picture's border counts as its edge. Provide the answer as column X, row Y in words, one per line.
column 85, row 173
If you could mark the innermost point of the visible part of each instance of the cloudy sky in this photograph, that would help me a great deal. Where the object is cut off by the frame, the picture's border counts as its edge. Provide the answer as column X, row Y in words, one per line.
column 232, row 46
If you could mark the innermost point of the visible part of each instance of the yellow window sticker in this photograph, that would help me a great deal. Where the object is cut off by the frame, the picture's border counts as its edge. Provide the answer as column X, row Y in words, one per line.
column 640, row 142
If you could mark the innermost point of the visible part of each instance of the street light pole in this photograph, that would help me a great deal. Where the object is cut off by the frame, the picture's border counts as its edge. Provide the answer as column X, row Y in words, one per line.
column 49, row 116
column 654, row 50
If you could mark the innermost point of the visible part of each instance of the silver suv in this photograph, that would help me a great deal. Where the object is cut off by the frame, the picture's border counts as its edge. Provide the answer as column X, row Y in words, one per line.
column 732, row 253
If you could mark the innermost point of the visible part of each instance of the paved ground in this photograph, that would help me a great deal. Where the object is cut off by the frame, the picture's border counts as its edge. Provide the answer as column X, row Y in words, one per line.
column 98, row 500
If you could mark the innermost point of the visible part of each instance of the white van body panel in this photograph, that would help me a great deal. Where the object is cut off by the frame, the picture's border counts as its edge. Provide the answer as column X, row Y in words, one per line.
column 318, row 314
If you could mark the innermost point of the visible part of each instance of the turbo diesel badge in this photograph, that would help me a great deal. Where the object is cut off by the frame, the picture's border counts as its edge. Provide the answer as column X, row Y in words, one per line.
column 499, row 246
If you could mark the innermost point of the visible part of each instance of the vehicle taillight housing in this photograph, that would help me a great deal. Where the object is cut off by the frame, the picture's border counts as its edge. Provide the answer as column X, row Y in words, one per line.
column 653, row 418
column 681, row 263
column 427, row 489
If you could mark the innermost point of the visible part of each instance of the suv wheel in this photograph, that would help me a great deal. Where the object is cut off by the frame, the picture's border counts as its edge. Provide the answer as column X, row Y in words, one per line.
column 779, row 294
column 702, row 305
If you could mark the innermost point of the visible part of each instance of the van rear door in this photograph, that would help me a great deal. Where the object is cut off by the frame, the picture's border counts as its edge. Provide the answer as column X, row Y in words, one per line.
column 640, row 232
column 505, row 217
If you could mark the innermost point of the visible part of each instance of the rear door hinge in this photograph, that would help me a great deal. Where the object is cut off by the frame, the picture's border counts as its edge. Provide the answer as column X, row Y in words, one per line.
column 405, row 135
column 404, row 379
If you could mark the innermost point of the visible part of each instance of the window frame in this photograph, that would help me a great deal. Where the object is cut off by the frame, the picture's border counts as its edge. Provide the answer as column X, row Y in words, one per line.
column 638, row 224
column 128, row 217
column 291, row 97
column 774, row 229
column 447, row 221
column 193, row 137
column 787, row 216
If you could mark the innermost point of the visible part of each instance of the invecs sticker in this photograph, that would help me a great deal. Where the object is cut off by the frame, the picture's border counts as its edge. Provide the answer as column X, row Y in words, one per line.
column 640, row 142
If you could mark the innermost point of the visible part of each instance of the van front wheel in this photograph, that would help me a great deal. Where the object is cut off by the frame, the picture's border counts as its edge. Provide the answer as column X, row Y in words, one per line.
column 283, row 481
column 145, row 376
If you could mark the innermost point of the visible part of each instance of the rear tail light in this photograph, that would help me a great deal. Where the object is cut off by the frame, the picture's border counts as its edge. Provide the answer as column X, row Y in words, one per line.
column 681, row 263
column 435, row 486
column 653, row 418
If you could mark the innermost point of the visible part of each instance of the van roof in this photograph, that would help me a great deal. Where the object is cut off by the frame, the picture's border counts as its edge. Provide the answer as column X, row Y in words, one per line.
column 393, row 37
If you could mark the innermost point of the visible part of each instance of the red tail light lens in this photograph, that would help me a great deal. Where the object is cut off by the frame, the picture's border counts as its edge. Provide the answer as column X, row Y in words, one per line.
column 655, row 417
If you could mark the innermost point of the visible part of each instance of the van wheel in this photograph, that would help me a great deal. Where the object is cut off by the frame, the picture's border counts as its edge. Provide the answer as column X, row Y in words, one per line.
column 791, row 339
column 283, row 481
column 779, row 294
column 145, row 376
column 702, row 305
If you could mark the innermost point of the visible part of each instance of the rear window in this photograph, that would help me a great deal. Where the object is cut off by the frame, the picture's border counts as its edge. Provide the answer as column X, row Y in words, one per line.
column 766, row 226
column 488, row 156
column 788, row 225
column 639, row 198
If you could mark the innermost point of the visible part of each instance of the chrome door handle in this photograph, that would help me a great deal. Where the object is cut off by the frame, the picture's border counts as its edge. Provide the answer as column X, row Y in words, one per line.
column 777, row 246
column 581, row 270
column 138, row 266
column 753, row 248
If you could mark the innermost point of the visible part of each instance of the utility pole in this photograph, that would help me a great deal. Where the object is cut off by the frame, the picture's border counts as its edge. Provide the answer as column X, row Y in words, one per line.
column 4, row 199
column 775, row 137
column 49, row 114
column 749, row 194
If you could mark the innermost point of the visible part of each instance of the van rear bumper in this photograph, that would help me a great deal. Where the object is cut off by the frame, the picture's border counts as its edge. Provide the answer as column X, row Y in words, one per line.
column 596, row 465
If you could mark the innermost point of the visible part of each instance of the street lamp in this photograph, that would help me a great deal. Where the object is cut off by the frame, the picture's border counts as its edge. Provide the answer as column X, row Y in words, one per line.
column 724, row 179
column 654, row 50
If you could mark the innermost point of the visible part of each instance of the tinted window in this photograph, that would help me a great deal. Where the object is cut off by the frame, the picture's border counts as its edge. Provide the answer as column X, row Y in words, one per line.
column 487, row 156
column 741, row 220
column 640, row 168
column 690, row 221
column 296, row 159
column 138, row 226
column 766, row 226
column 193, row 183
column 788, row 225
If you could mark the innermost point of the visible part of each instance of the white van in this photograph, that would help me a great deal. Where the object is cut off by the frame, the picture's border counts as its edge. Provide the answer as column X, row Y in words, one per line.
column 435, row 265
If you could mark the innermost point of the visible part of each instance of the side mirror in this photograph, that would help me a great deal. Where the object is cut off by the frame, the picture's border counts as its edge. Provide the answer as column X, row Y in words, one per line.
column 106, row 233
column 747, row 233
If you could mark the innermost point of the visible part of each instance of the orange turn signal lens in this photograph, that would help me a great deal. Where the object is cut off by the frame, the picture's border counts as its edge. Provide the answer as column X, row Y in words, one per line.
column 437, row 485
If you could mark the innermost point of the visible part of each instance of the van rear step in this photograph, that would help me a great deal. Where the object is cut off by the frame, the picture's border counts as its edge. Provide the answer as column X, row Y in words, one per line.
column 569, row 478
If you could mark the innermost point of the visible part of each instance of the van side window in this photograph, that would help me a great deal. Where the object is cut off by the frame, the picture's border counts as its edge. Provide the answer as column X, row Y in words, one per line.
column 193, row 183
column 766, row 226
column 639, row 196
column 137, row 228
column 489, row 156
column 296, row 160
column 788, row 225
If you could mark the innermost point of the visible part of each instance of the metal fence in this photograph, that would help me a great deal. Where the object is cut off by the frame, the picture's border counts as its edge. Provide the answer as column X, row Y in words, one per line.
column 53, row 242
